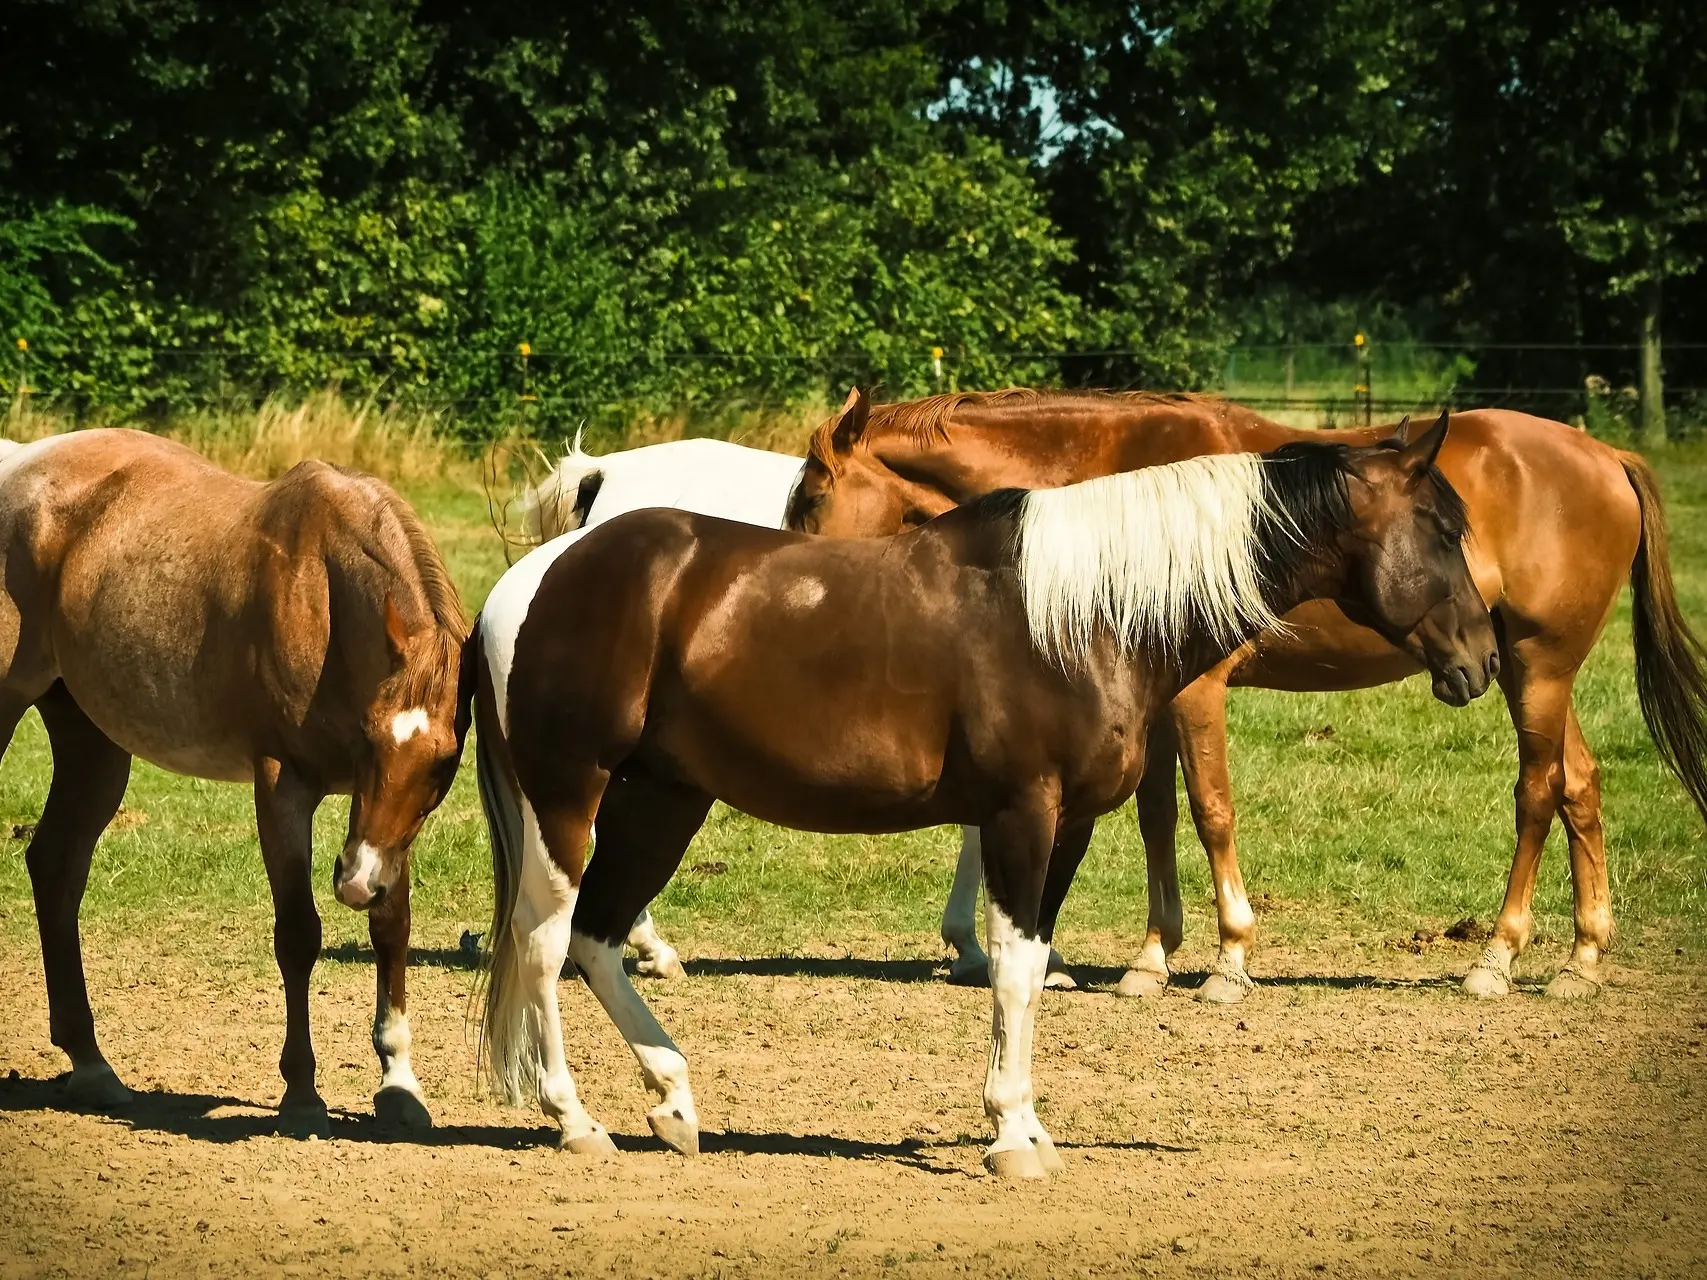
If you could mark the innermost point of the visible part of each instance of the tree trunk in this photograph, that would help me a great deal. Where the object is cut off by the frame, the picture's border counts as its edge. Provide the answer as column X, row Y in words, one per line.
column 1652, row 433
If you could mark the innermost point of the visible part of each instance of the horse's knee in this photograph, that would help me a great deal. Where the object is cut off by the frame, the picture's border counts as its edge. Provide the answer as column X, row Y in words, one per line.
column 1216, row 826
column 1539, row 791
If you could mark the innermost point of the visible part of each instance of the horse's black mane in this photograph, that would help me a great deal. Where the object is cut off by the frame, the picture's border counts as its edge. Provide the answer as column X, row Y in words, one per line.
column 1306, row 482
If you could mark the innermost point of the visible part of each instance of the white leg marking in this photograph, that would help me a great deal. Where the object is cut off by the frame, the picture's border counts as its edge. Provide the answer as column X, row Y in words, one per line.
column 959, row 913
column 1018, row 967
column 541, row 929
column 391, row 1042
column 406, row 724
column 662, row 1066
column 658, row 959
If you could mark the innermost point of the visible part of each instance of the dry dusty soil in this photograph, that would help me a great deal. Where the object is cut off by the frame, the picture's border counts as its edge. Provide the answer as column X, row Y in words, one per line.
column 1377, row 1124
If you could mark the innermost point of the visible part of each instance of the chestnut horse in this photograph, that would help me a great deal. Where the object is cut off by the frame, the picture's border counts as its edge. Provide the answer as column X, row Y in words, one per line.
column 302, row 636
column 1560, row 520
column 998, row 668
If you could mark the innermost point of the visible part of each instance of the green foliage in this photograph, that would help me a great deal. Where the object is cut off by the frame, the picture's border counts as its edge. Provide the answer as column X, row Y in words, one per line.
column 682, row 205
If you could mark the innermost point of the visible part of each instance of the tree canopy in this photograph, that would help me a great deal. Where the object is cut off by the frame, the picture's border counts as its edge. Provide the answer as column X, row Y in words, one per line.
column 682, row 201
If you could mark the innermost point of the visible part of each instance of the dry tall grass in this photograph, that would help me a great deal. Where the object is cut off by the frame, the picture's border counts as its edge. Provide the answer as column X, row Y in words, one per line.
column 404, row 446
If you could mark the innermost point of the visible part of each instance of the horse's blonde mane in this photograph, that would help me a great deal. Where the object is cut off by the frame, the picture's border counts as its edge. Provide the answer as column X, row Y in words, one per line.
column 1155, row 557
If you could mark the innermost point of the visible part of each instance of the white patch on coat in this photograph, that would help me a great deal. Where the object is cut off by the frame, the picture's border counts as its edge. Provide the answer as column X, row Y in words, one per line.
column 1150, row 556
column 407, row 724
column 807, row 593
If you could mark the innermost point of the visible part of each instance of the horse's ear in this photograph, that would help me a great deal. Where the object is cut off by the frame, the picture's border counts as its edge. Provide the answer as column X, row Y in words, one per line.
column 396, row 634
column 850, row 423
column 1401, row 434
column 1418, row 455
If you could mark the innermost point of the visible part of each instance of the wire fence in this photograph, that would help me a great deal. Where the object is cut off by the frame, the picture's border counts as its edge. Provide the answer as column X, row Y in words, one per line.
column 1332, row 383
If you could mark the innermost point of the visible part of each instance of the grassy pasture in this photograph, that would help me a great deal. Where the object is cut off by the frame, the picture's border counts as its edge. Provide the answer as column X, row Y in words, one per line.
column 1399, row 818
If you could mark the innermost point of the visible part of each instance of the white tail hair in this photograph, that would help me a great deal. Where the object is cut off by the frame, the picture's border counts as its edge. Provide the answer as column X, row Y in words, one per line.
column 1154, row 556
column 551, row 508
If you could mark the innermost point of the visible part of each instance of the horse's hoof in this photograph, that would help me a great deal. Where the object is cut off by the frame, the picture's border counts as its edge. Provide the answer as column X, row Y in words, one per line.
column 678, row 1132
column 1057, row 974
column 98, row 1088
column 1571, row 983
column 305, row 1121
column 394, row 1105
column 1224, row 988
column 1135, row 984
column 1046, row 1153
column 668, row 965
column 970, row 969
column 595, row 1144
column 1016, row 1164
column 1486, row 983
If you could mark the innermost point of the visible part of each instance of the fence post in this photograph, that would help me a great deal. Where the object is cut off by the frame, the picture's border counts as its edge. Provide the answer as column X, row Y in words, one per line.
column 525, row 396
column 1362, row 396
column 20, row 402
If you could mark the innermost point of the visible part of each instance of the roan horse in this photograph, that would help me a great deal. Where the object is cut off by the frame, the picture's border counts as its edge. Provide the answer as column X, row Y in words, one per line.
column 1559, row 519
column 997, row 667
column 301, row 635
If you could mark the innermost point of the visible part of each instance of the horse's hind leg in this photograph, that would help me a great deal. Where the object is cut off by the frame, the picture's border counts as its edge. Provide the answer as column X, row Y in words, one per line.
column 645, row 824
column 89, row 776
column 1158, row 822
column 1592, row 899
column 1200, row 715
column 658, row 959
column 284, row 817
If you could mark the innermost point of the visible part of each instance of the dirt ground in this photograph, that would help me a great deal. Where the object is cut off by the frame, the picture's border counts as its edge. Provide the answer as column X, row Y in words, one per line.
column 1369, row 1125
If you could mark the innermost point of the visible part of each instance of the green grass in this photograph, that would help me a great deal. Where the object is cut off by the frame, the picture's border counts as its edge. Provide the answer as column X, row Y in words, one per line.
column 1401, row 817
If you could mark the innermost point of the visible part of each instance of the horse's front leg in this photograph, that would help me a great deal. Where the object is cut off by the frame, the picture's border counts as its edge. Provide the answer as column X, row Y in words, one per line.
column 1027, row 870
column 284, row 817
column 399, row 1099
column 970, row 966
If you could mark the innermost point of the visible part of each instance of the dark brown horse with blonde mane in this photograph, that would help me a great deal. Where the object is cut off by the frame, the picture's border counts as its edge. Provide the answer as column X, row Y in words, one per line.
column 998, row 667
column 1559, row 521
column 302, row 636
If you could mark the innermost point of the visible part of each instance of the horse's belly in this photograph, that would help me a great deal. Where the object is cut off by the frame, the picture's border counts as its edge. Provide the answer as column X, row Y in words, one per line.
column 810, row 786
column 171, row 723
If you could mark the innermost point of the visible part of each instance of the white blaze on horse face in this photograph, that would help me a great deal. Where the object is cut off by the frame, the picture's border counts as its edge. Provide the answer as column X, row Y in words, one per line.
column 408, row 724
column 356, row 888
column 807, row 593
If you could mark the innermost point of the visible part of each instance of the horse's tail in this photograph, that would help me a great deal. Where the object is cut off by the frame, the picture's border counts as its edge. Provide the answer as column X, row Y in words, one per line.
column 1671, row 662
column 561, row 501
column 507, row 1054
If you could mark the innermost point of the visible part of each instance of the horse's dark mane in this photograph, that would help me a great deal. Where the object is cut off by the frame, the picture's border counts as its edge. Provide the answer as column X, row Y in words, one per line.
column 1306, row 483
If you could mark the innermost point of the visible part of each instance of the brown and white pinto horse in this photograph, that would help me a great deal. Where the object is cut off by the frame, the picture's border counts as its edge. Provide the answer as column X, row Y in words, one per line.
column 302, row 636
column 1559, row 521
column 999, row 667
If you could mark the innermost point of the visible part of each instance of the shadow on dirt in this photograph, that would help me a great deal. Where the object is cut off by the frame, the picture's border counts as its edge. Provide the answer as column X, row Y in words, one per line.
column 216, row 1118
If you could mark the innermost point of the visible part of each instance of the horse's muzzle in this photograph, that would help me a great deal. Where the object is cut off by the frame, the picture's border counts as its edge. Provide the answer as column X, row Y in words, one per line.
column 356, row 877
column 1462, row 683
